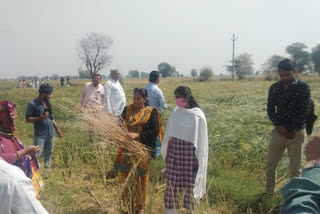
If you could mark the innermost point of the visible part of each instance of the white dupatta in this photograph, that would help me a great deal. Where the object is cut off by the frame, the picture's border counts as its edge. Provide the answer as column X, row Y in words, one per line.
column 190, row 125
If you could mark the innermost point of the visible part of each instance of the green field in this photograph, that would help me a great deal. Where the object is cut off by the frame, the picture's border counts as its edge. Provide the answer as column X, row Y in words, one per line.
column 82, row 179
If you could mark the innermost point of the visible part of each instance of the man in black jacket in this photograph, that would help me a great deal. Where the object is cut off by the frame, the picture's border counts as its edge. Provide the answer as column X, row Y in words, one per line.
column 288, row 108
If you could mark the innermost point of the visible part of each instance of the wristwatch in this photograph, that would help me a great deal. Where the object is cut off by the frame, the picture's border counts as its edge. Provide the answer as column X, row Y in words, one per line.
column 311, row 164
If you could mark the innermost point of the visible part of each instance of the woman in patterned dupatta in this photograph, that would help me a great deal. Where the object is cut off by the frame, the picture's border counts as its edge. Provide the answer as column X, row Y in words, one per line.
column 144, row 126
column 11, row 149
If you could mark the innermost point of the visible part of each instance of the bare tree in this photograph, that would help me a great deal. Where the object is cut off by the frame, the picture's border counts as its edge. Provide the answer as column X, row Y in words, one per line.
column 93, row 52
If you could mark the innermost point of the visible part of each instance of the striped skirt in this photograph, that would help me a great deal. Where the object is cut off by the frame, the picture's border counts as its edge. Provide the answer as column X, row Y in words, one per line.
column 181, row 171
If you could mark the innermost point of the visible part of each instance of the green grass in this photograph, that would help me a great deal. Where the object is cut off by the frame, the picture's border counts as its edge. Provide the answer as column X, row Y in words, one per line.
column 82, row 179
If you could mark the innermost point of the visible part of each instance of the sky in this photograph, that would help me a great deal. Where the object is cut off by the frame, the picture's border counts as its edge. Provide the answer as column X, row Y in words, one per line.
column 41, row 37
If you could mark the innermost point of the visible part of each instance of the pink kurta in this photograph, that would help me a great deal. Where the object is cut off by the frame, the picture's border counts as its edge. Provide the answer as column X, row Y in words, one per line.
column 92, row 97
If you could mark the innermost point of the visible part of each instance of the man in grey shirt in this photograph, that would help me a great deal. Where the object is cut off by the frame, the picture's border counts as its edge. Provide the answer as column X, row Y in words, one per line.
column 155, row 95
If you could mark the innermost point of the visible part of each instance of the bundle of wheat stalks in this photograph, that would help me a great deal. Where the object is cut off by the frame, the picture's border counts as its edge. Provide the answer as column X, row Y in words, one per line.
column 109, row 129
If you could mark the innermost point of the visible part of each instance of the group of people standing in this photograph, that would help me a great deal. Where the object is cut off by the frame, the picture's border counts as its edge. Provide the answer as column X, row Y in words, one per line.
column 33, row 84
column 184, row 144
column 24, row 84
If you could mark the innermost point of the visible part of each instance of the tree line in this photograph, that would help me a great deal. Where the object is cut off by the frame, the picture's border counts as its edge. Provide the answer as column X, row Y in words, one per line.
column 93, row 53
column 306, row 62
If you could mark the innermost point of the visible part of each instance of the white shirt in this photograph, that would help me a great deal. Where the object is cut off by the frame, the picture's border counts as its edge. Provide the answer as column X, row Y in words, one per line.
column 92, row 97
column 190, row 125
column 17, row 192
column 115, row 98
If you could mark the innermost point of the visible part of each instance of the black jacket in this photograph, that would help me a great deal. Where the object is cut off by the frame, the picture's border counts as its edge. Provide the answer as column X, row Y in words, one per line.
column 150, row 129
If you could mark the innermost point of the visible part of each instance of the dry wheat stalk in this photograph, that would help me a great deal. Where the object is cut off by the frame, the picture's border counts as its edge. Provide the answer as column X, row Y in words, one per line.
column 109, row 129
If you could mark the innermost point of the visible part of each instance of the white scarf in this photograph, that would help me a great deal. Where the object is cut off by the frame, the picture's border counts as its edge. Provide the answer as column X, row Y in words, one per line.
column 190, row 125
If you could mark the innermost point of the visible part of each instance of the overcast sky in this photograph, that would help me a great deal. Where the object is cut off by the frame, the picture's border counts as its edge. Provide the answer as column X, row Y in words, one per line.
column 40, row 37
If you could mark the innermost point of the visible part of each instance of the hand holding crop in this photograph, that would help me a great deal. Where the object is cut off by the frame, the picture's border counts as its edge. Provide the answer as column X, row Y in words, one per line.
column 133, row 136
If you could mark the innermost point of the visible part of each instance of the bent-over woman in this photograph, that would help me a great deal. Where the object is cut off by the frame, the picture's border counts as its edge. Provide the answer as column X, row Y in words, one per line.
column 185, row 151
column 144, row 125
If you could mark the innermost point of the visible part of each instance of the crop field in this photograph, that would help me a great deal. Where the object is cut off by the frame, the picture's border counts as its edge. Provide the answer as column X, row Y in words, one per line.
column 82, row 178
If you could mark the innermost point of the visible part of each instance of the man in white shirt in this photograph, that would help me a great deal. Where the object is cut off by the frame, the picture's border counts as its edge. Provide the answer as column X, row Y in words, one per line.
column 92, row 94
column 115, row 98
column 155, row 95
column 17, row 191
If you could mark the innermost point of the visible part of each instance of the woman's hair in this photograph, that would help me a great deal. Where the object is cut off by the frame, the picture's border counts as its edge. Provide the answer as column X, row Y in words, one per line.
column 185, row 91
column 143, row 93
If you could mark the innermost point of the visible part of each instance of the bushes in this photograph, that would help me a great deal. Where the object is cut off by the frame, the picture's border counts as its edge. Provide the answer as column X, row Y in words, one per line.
column 206, row 73
column 271, row 76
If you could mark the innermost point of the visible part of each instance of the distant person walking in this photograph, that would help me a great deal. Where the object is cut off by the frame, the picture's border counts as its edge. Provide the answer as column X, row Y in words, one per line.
column 185, row 151
column 68, row 81
column 155, row 95
column 288, row 107
column 24, row 83
column 36, row 84
column 115, row 98
column 92, row 94
column 62, row 81
column 19, row 84
column 39, row 112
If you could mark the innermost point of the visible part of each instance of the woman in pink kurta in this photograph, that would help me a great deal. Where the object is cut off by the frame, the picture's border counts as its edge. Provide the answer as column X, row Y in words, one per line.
column 11, row 149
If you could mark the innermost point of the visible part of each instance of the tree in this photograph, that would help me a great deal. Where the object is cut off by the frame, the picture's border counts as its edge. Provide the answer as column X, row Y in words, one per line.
column 271, row 64
column 194, row 72
column 134, row 74
column 243, row 66
column 144, row 74
column 83, row 74
column 300, row 56
column 93, row 50
column 54, row 77
column 206, row 73
column 315, row 56
column 165, row 69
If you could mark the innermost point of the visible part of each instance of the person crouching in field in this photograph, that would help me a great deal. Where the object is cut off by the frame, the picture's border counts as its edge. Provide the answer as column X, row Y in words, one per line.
column 144, row 125
column 185, row 151
column 39, row 112
column 288, row 107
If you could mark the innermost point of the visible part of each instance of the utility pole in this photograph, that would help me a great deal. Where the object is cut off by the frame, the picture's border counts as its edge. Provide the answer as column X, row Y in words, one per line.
column 233, row 66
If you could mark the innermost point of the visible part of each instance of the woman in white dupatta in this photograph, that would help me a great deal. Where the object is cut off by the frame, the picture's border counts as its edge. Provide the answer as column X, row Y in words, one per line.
column 185, row 151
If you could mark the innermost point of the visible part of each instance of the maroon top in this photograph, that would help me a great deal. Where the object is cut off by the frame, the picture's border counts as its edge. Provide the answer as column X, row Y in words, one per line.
column 8, row 150
column 9, row 143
